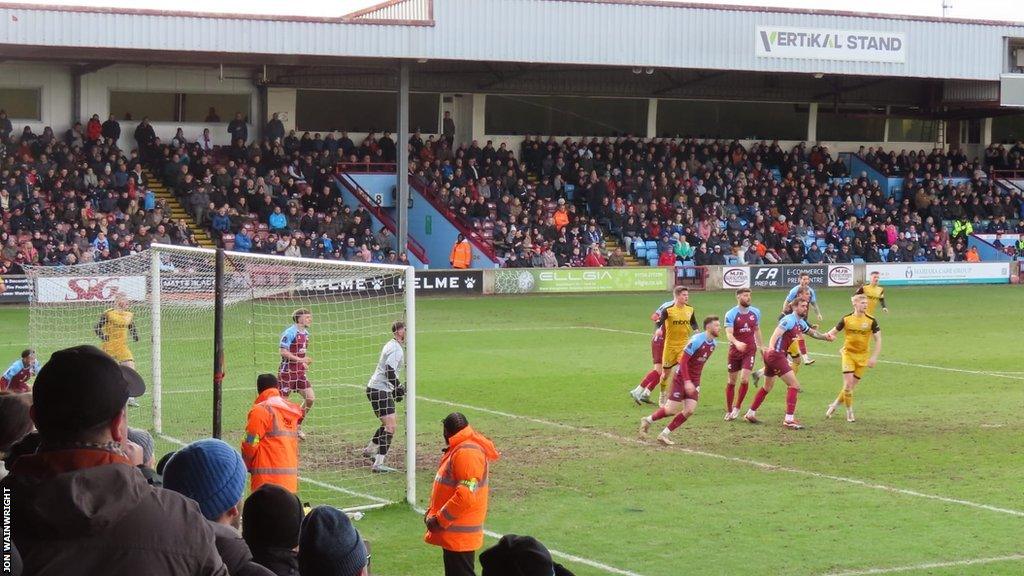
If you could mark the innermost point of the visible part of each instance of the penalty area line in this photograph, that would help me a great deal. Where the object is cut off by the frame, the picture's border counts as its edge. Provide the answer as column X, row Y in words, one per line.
column 928, row 566
column 755, row 463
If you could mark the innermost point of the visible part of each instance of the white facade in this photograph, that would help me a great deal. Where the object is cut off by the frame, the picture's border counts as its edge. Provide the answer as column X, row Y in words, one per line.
column 625, row 34
column 54, row 84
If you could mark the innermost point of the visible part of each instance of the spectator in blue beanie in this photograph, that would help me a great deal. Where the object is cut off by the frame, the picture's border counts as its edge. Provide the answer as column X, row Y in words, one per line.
column 212, row 473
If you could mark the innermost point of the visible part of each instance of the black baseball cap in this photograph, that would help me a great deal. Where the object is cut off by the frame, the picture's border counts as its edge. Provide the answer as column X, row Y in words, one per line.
column 82, row 387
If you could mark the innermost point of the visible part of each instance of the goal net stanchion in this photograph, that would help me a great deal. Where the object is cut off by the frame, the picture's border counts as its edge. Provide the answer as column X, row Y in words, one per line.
column 170, row 291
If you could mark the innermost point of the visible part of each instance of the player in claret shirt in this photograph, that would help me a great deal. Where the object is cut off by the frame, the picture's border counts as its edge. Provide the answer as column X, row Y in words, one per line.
column 20, row 372
column 743, row 329
column 776, row 362
column 294, row 361
column 682, row 399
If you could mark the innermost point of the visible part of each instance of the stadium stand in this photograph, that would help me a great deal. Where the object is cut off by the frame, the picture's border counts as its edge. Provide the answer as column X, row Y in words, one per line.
column 691, row 201
column 77, row 198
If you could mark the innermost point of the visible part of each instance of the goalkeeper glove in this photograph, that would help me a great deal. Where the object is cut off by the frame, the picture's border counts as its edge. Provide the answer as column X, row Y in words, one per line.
column 399, row 393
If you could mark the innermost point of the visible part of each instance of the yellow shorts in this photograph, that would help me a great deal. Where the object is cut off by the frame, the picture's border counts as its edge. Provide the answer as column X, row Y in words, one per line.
column 794, row 349
column 118, row 352
column 856, row 364
column 670, row 357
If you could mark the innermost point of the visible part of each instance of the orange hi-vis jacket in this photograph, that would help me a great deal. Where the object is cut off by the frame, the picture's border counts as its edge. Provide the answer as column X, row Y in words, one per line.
column 459, row 496
column 462, row 255
column 271, row 445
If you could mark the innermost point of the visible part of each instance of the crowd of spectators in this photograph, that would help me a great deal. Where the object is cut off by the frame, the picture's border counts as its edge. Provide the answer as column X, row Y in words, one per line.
column 75, row 198
column 705, row 202
column 277, row 195
column 552, row 202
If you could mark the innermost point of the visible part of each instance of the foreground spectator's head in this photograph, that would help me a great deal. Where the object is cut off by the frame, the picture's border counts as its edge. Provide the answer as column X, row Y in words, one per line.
column 15, row 422
column 80, row 396
column 330, row 546
column 271, row 518
column 519, row 556
column 213, row 474
column 265, row 382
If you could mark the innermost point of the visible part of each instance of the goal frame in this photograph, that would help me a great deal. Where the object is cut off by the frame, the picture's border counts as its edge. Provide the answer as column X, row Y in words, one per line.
column 410, row 338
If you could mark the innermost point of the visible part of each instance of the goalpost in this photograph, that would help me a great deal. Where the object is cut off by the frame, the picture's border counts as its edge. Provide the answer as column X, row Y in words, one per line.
column 175, row 293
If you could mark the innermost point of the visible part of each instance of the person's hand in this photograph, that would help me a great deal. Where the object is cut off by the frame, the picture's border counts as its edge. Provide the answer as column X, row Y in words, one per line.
column 307, row 360
column 133, row 451
column 740, row 346
column 871, row 362
column 432, row 524
column 830, row 337
column 399, row 393
column 886, row 310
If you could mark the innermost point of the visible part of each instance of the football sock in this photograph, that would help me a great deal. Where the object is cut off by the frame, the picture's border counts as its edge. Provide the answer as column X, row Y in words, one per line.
column 758, row 398
column 730, row 392
column 658, row 415
column 676, row 422
column 743, row 394
column 848, row 398
column 664, row 382
column 841, row 399
column 650, row 380
column 802, row 345
column 377, row 435
column 791, row 401
column 385, row 444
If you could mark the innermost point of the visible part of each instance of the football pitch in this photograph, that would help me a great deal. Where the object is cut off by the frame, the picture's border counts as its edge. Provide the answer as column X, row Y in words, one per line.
column 927, row 481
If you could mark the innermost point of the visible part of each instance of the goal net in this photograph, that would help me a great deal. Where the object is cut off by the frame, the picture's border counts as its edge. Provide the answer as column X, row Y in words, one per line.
column 170, row 292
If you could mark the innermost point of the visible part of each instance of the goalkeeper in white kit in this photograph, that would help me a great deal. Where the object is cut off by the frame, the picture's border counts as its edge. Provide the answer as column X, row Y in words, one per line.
column 383, row 390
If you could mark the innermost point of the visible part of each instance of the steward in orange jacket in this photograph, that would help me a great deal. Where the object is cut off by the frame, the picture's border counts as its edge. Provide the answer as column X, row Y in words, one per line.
column 458, row 501
column 462, row 254
column 271, row 445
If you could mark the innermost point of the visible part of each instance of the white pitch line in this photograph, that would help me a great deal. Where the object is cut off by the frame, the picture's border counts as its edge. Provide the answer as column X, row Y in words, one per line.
column 928, row 566
column 174, row 440
column 747, row 461
column 560, row 554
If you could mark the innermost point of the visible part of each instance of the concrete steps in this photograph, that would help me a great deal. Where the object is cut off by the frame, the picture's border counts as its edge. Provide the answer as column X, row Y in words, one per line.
column 177, row 211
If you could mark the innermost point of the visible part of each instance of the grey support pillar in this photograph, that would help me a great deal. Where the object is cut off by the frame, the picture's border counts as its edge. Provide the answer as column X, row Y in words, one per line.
column 402, row 172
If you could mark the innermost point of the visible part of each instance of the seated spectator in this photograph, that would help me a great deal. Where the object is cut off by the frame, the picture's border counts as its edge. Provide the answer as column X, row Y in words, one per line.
column 330, row 546
column 15, row 423
column 277, row 221
column 666, row 258
column 972, row 255
column 147, row 458
column 79, row 506
column 212, row 473
column 616, row 258
column 594, row 258
column 519, row 556
column 271, row 519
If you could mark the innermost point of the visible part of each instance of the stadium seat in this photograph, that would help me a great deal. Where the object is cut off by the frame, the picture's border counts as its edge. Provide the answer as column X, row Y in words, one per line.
column 652, row 245
column 858, row 260
column 731, row 260
column 884, row 252
column 228, row 240
column 641, row 251
column 652, row 260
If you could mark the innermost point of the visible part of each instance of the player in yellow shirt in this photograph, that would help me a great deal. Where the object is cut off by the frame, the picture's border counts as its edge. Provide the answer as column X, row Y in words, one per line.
column 679, row 322
column 856, row 354
column 113, row 329
column 875, row 294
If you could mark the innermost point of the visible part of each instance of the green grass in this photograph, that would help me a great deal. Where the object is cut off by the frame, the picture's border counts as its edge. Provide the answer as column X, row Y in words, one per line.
column 574, row 475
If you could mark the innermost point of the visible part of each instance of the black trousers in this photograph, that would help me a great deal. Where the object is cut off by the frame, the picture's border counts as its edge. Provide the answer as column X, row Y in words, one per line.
column 459, row 563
